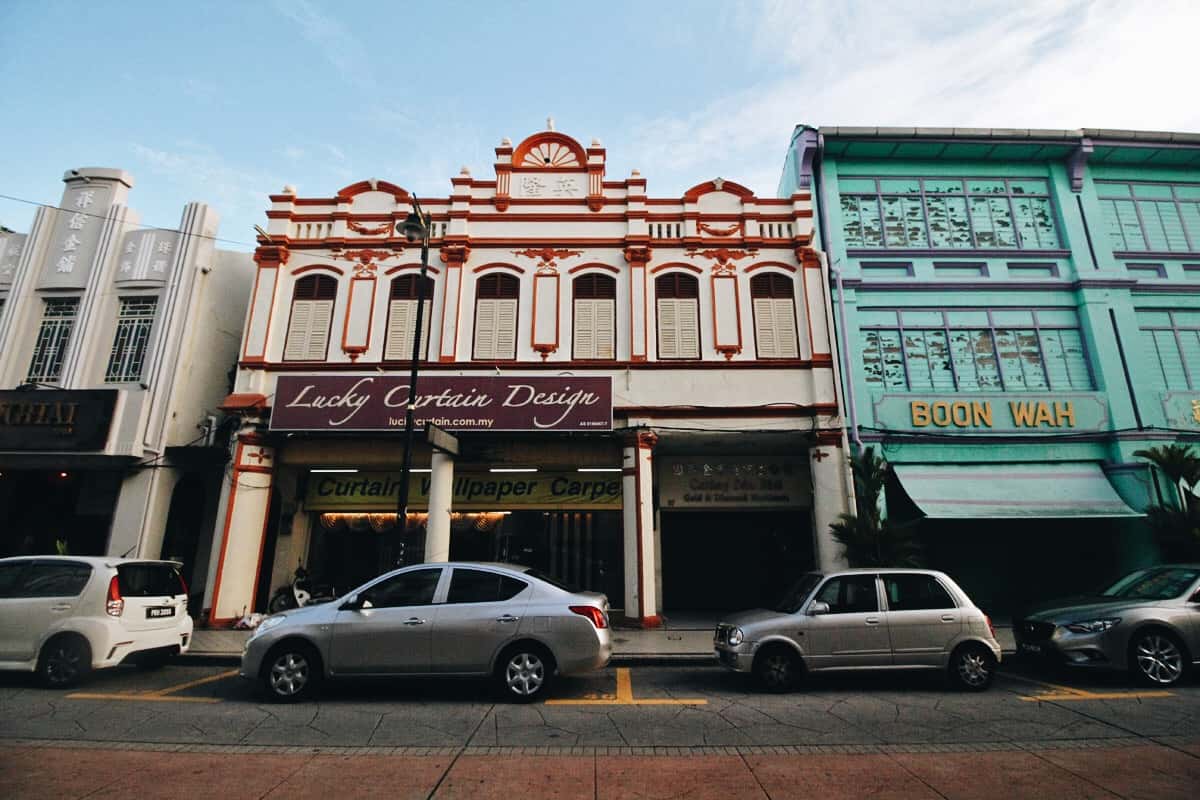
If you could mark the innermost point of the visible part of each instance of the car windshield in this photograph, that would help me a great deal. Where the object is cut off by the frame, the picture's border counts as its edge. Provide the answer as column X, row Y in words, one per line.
column 797, row 593
column 1162, row 583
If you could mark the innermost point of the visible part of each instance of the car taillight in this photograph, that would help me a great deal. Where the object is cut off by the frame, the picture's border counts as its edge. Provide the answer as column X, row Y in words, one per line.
column 116, row 604
column 182, row 585
column 991, row 627
column 592, row 613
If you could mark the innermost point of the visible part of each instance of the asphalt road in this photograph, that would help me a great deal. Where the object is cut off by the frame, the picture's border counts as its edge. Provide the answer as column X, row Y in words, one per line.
column 638, row 707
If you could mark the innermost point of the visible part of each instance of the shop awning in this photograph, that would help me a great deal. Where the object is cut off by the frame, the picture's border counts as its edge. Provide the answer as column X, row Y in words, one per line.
column 990, row 491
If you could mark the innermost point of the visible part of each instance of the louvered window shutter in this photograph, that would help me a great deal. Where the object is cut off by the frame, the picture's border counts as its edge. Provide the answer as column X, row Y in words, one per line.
column 401, row 321
column 606, row 312
column 689, row 328
column 668, row 329
column 308, row 331
column 485, row 330
column 506, row 329
column 764, row 327
column 585, row 329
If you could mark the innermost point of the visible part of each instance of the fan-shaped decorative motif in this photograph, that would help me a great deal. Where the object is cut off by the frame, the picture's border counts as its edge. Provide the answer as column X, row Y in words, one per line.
column 550, row 154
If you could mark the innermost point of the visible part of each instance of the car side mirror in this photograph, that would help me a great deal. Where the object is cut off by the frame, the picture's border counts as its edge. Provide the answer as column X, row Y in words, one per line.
column 357, row 603
column 816, row 608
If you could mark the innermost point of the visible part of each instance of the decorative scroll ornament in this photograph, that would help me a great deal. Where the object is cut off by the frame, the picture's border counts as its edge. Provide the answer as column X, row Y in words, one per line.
column 638, row 255
column 366, row 266
column 724, row 258
column 365, row 230
column 548, row 256
column 710, row 230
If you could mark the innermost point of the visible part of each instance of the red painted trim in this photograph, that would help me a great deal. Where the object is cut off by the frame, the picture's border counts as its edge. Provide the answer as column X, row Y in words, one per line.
column 452, row 356
column 498, row 265
column 808, row 312
column 348, row 193
column 229, row 505
column 637, row 490
column 822, row 361
column 545, row 348
column 605, row 267
column 402, row 267
column 727, row 350
column 259, row 470
column 829, row 438
column 693, row 412
column 356, row 350
column 775, row 264
column 676, row 265
column 819, row 282
column 318, row 268
column 262, row 544
column 708, row 187
column 270, row 311
column 529, row 143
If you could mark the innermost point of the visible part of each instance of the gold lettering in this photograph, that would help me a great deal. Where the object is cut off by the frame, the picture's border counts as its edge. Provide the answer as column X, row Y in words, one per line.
column 1043, row 415
column 1065, row 411
column 1196, row 410
column 920, row 413
column 941, row 419
column 1022, row 413
column 982, row 413
column 960, row 413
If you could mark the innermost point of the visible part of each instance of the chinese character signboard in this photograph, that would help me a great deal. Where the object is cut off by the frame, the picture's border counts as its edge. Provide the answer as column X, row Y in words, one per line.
column 750, row 482
column 483, row 403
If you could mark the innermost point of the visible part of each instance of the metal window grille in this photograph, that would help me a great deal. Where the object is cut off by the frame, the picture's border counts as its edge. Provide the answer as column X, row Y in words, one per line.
column 1172, row 337
column 906, row 213
column 134, row 322
column 933, row 351
column 58, row 320
column 1151, row 217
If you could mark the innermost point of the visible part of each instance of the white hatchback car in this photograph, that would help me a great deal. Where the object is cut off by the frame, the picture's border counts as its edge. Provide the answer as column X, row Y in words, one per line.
column 63, row 616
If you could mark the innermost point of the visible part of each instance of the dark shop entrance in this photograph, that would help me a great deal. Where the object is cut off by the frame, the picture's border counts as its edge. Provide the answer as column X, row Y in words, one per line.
column 732, row 560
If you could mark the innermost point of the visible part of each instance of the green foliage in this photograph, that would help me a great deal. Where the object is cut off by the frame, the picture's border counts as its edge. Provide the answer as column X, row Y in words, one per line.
column 1176, row 525
column 60, row 547
column 869, row 540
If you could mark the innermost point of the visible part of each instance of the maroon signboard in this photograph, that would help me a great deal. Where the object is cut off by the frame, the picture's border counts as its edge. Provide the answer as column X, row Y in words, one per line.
column 484, row 403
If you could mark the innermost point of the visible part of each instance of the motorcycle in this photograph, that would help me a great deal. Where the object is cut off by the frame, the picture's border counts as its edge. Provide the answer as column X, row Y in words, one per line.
column 300, row 592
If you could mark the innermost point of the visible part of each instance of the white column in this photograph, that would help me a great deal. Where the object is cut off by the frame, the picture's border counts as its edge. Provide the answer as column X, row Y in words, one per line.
column 437, row 529
column 244, row 531
column 641, row 595
column 828, row 465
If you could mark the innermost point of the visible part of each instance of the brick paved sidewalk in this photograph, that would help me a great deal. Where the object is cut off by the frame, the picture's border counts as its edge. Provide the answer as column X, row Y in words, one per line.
column 1063, row 770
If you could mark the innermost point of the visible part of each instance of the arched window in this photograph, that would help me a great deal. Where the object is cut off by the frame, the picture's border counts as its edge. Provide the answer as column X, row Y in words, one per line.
column 312, row 314
column 594, row 320
column 773, row 296
column 496, row 317
column 402, row 318
column 678, row 297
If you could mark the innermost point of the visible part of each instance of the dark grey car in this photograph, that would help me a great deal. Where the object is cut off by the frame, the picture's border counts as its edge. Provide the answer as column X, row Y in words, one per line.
column 466, row 619
column 1148, row 623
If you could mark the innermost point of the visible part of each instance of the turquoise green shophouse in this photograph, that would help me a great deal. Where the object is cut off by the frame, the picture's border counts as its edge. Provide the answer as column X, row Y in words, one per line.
column 1018, row 312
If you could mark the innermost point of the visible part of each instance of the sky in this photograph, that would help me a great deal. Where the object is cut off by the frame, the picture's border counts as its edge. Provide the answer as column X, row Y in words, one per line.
column 225, row 102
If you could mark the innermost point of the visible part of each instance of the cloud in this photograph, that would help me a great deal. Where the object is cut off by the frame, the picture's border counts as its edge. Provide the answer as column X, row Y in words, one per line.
column 331, row 38
column 293, row 153
column 1066, row 64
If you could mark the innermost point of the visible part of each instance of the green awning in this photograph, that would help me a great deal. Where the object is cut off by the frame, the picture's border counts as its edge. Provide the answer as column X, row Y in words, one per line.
column 991, row 491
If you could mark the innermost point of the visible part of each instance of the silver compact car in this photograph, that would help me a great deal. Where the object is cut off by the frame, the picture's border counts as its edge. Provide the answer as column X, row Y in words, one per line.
column 466, row 619
column 1147, row 623
column 863, row 619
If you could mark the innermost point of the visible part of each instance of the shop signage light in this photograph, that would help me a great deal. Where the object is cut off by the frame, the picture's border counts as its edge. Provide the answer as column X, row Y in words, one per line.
column 458, row 403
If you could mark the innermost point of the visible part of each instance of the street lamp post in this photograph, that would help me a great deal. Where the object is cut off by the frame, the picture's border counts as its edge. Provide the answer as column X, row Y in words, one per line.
column 415, row 228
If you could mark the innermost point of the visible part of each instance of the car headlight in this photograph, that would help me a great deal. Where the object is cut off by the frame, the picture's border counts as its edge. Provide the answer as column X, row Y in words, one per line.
column 266, row 625
column 735, row 636
column 1093, row 625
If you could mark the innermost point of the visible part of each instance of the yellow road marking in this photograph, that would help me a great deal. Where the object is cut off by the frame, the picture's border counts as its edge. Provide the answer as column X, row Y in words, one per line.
column 624, row 697
column 159, row 695
column 1060, row 693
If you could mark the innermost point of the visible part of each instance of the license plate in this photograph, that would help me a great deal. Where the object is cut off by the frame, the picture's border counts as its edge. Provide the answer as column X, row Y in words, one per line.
column 160, row 611
column 1031, row 648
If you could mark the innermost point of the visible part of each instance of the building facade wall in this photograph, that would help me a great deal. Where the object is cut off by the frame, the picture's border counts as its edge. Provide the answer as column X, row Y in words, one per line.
column 1044, row 283
column 548, row 218
column 140, row 356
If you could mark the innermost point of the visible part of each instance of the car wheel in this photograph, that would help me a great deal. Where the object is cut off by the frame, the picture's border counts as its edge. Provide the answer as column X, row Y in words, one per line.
column 1157, row 658
column 64, row 662
column 291, row 672
column 777, row 669
column 972, row 668
column 524, row 672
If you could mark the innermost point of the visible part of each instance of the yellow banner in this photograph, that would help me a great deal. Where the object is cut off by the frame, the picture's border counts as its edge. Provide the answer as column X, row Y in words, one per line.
column 378, row 491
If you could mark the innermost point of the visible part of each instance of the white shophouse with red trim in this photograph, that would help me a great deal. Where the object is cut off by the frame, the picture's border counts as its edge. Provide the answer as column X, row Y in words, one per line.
column 683, row 453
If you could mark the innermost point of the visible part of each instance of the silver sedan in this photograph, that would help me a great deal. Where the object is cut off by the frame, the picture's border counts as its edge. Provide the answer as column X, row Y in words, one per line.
column 455, row 619
column 1147, row 623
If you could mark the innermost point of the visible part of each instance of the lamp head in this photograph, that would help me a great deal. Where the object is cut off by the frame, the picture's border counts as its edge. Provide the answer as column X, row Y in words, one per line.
column 413, row 227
